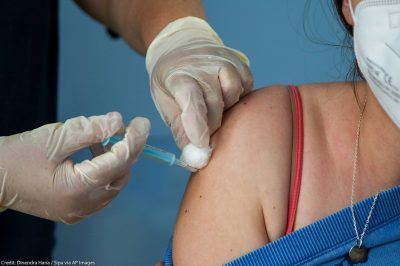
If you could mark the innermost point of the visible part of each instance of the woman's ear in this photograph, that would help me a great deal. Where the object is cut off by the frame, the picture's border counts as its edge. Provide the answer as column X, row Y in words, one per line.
column 346, row 12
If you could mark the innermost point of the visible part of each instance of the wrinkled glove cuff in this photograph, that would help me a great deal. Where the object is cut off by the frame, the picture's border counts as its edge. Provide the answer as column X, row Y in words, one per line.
column 3, row 175
column 182, row 30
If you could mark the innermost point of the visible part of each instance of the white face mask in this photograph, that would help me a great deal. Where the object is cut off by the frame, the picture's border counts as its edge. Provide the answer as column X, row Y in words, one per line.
column 377, row 48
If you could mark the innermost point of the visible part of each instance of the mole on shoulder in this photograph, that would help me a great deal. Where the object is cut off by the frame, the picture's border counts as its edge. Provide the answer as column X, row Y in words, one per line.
column 200, row 196
column 186, row 210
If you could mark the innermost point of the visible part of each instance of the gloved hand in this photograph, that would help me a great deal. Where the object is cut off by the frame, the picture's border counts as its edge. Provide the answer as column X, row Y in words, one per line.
column 37, row 177
column 194, row 77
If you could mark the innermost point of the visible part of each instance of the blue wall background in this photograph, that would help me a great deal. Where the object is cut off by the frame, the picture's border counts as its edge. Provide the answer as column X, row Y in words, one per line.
column 98, row 75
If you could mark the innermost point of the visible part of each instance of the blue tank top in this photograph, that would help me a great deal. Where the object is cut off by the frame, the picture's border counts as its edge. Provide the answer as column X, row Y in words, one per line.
column 328, row 241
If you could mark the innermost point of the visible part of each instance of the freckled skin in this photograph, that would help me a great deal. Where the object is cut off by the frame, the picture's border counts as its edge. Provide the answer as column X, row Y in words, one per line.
column 248, row 180
column 234, row 191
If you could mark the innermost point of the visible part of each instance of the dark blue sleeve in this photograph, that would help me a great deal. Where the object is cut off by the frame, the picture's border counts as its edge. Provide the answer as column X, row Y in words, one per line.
column 167, row 258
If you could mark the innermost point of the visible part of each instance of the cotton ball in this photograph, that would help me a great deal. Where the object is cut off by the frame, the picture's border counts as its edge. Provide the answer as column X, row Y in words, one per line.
column 196, row 157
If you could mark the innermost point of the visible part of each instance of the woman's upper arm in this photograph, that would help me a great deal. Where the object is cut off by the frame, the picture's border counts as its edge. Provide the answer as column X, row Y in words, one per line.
column 227, row 208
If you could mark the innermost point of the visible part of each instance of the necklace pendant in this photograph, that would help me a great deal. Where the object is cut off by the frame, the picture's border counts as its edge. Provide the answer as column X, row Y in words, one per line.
column 358, row 254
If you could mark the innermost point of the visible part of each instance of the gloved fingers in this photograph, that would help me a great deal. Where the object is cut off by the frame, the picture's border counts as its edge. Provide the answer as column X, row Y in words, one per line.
column 170, row 113
column 213, row 97
column 81, row 132
column 137, row 133
column 247, row 80
column 98, row 148
column 115, row 164
column 180, row 137
column 241, row 63
column 231, row 85
column 96, row 200
column 165, row 103
column 189, row 97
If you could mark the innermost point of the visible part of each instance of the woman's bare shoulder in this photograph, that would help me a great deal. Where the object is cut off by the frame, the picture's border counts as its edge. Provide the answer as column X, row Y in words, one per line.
column 239, row 201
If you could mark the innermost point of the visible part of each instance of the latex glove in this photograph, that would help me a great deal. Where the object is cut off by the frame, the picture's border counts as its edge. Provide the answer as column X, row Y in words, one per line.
column 194, row 78
column 37, row 177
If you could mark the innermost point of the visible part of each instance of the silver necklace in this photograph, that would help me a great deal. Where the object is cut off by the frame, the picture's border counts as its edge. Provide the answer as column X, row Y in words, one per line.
column 358, row 253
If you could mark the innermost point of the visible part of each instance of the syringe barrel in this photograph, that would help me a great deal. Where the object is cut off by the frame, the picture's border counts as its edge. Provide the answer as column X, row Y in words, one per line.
column 157, row 153
column 148, row 151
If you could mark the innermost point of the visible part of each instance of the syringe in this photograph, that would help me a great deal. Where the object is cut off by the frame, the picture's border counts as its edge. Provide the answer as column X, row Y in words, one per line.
column 154, row 153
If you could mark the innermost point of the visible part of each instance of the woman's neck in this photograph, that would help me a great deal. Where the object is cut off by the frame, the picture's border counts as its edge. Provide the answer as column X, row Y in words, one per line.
column 379, row 144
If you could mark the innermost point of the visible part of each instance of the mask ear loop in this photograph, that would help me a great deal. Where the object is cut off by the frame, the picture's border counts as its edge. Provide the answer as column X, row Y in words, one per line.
column 352, row 11
column 354, row 83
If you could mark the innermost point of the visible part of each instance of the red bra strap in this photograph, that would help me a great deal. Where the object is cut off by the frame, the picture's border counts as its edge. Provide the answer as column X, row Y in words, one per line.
column 298, row 160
